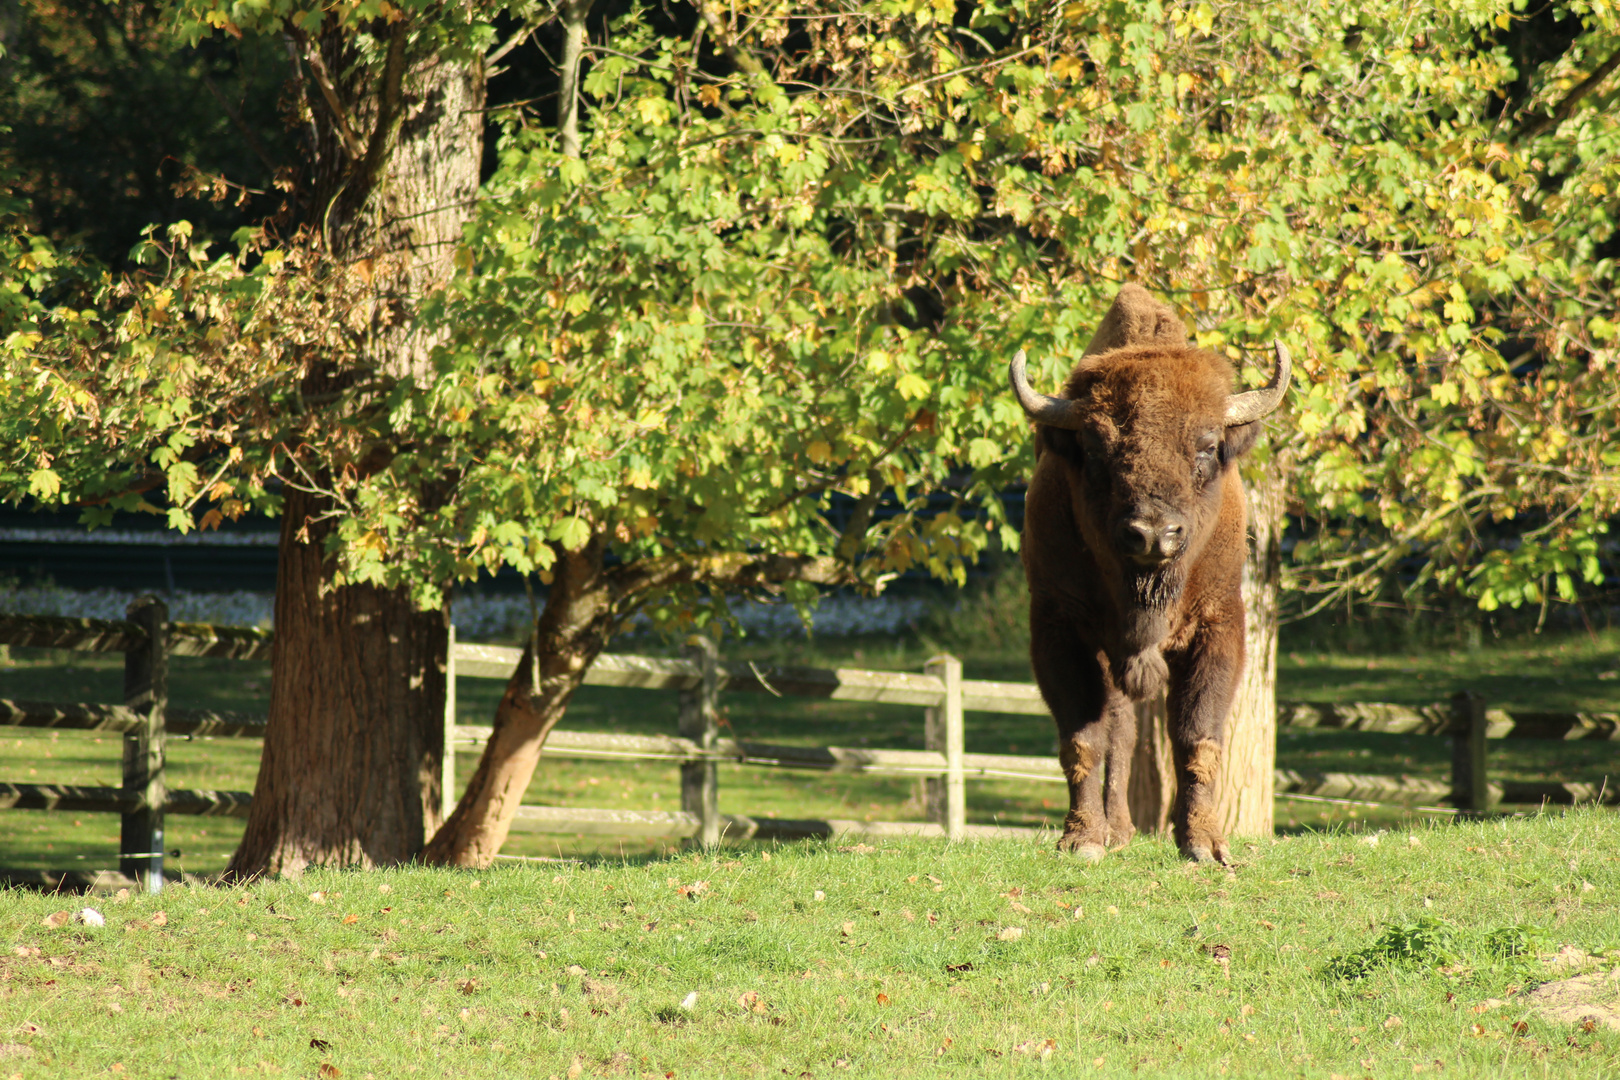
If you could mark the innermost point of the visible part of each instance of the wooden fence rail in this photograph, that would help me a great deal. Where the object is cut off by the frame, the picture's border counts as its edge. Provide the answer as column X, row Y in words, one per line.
column 146, row 722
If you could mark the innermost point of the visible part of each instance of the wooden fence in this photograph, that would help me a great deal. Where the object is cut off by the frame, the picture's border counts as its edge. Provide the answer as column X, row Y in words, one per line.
column 145, row 719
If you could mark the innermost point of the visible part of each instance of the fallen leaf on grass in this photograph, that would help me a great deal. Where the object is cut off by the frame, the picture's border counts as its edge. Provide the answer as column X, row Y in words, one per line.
column 882, row 998
column 320, row 897
column 330, row 1071
column 56, row 920
column 751, row 1001
column 467, row 986
column 966, row 966
column 849, row 929
column 350, row 920
column 1010, row 933
column 320, row 1045
column 1041, row 1048
column 1392, row 1022
column 160, row 918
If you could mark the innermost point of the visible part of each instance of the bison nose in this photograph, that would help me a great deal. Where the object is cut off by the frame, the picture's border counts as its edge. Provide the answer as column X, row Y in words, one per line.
column 1150, row 542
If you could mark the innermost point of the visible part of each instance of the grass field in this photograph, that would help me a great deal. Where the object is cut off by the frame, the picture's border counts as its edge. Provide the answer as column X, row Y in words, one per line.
column 1387, row 955
column 1550, row 673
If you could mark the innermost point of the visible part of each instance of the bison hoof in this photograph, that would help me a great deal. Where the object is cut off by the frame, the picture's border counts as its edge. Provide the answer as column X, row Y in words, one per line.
column 1081, row 850
column 1205, row 855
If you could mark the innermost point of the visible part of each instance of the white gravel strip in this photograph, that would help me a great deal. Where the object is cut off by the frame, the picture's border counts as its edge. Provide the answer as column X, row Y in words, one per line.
column 478, row 616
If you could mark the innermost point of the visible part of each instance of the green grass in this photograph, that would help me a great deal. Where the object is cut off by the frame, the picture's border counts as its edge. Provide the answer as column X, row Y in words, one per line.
column 1522, row 672
column 813, row 960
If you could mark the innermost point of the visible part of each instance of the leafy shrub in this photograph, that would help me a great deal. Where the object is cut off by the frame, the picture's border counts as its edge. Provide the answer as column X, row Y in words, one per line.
column 1425, row 942
column 1512, row 942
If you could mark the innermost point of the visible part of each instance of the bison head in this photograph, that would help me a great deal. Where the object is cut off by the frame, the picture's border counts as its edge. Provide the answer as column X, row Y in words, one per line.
column 1148, row 433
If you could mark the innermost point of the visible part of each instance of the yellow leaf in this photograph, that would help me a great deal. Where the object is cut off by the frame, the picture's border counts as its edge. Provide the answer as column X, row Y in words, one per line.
column 653, row 110
column 911, row 387
column 709, row 95
column 1505, row 21
column 1185, row 83
column 1203, row 17
column 971, row 151
column 640, row 478
column 274, row 258
column 820, row 452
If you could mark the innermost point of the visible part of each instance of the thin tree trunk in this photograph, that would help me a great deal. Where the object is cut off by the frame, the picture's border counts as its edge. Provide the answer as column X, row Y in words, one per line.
column 1245, row 800
column 573, row 630
column 573, row 17
column 1152, row 791
column 350, row 772
column 349, row 775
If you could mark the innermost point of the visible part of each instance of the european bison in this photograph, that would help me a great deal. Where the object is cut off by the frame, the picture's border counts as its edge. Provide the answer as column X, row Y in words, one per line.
column 1134, row 542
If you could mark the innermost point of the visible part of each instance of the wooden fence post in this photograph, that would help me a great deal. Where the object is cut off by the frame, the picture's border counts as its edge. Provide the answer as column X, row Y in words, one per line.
column 1469, row 789
column 948, row 669
column 146, row 689
column 700, row 722
column 447, row 761
column 934, row 739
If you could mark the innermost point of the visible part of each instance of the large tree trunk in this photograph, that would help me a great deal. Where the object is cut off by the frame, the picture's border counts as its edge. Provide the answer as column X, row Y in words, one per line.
column 573, row 630
column 1245, row 789
column 350, row 773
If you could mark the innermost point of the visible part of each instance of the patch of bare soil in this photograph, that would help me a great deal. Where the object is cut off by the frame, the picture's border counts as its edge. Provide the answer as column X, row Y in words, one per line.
column 1590, row 1001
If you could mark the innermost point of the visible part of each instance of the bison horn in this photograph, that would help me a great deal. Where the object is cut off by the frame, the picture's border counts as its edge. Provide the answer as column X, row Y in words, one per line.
column 1052, row 411
column 1248, row 407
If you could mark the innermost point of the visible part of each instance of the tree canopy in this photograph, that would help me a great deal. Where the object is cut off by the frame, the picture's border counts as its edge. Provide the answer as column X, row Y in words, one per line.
column 797, row 249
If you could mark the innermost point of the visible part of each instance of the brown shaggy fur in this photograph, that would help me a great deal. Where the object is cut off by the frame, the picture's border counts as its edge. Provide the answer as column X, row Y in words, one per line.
column 1109, row 622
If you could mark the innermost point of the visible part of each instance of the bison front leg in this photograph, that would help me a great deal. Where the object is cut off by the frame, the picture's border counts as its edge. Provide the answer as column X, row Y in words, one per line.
column 1203, row 680
column 1074, row 684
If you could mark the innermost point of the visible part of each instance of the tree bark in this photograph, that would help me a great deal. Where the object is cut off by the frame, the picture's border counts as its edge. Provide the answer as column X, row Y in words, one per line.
column 573, row 630
column 1152, row 791
column 349, row 775
column 1245, row 789
column 350, row 772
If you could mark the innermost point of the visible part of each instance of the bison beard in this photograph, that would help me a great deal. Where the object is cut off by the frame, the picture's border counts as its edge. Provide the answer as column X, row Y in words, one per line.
column 1134, row 541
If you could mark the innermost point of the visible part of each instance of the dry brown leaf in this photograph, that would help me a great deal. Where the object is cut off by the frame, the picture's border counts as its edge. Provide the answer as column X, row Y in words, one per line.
column 330, row 1071
column 160, row 918
column 349, row 920
column 1010, row 933
column 56, row 920
column 882, row 998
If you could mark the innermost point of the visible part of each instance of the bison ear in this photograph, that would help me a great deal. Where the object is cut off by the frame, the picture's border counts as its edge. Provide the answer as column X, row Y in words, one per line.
column 1060, row 441
column 1240, row 439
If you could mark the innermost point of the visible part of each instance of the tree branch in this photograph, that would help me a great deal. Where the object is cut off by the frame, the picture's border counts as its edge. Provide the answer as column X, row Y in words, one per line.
column 739, row 56
column 1567, row 107
column 340, row 117
column 241, row 126
column 388, row 104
